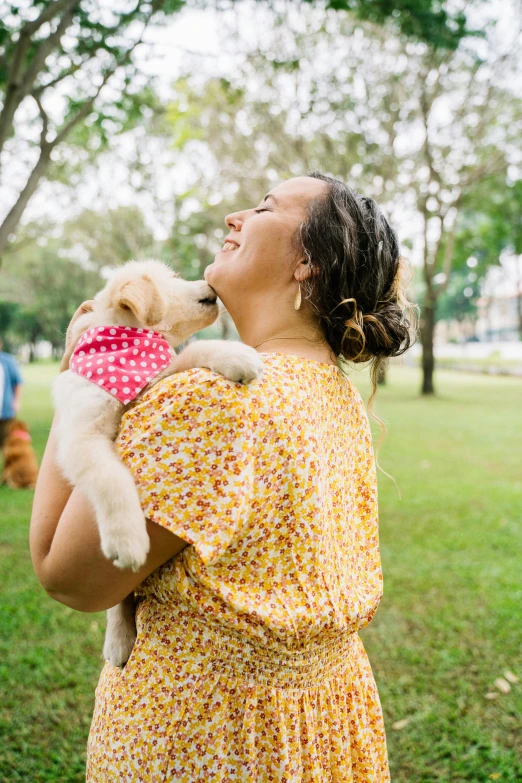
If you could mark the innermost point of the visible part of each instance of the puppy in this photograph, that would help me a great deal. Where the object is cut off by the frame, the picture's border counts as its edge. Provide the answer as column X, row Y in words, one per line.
column 117, row 351
column 20, row 464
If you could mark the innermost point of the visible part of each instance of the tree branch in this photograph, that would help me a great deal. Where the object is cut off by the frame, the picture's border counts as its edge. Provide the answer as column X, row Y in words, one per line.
column 52, row 10
column 13, row 218
column 88, row 105
column 63, row 75
column 45, row 120
column 45, row 48
column 494, row 167
column 19, row 82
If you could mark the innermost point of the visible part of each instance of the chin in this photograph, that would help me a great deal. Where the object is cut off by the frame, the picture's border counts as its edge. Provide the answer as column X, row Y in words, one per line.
column 211, row 276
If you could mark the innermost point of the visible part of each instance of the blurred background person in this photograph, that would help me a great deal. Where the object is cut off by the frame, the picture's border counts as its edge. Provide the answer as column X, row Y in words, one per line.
column 10, row 390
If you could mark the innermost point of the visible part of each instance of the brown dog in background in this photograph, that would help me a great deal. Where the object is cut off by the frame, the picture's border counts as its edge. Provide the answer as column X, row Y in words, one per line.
column 20, row 463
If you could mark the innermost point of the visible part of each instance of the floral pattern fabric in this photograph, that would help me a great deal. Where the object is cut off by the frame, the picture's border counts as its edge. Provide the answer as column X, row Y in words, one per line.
column 248, row 665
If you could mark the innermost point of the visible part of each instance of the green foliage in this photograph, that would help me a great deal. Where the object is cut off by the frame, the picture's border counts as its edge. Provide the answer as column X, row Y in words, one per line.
column 108, row 238
column 353, row 120
column 193, row 242
column 58, row 60
column 45, row 287
column 454, row 303
column 65, row 53
column 7, row 315
column 424, row 20
column 55, row 268
column 489, row 223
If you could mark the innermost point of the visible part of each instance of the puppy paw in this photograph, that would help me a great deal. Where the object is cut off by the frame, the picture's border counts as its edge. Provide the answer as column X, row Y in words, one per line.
column 238, row 362
column 117, row 649
column 129, row 547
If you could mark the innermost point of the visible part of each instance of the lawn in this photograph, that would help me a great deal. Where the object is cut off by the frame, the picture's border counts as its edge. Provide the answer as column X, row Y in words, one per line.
column 448, row 626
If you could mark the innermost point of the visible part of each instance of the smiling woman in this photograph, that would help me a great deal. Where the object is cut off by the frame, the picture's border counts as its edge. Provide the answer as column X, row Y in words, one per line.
column 257, row 271
column 262, row 505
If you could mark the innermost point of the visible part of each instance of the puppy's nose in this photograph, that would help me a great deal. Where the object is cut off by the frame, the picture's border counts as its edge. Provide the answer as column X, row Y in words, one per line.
column 207, row 294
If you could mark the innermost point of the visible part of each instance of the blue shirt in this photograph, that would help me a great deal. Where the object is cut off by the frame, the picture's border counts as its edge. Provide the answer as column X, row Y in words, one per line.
column 10, row 378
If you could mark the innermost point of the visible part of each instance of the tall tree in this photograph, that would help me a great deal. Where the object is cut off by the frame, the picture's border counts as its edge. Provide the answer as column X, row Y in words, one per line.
column 488, row 226
column 79, row 56
column 64, row 54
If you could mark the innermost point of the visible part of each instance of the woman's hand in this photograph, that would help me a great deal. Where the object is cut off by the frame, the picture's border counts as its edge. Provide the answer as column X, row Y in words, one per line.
column 85, row 307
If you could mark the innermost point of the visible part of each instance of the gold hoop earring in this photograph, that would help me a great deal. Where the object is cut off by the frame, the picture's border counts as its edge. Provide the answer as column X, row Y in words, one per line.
column 297, row 301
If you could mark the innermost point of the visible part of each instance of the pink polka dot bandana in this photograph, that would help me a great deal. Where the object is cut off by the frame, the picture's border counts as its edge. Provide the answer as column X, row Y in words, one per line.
column 120, row 359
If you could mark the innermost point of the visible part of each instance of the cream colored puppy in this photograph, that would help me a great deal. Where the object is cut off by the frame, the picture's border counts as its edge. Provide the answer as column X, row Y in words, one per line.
column 120, row 349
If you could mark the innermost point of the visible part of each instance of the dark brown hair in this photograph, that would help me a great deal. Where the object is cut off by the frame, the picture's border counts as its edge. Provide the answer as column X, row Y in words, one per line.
column 358, row 290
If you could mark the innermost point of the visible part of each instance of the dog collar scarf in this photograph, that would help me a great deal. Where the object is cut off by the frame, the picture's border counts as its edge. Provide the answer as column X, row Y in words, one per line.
column 21, row 434
column 120, row 359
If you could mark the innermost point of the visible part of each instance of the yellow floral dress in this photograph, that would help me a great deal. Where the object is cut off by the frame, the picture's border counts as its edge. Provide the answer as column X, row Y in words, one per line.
column 248, row 665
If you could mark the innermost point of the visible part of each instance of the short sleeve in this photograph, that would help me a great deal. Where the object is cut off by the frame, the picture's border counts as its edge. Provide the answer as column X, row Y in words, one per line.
column 16, row 375
column 189, row 445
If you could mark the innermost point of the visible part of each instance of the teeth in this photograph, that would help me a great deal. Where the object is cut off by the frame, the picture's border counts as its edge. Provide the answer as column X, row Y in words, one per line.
column 229, row 246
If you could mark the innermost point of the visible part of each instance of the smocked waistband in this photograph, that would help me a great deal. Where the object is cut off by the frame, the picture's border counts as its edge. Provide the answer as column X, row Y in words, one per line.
column 234, row 655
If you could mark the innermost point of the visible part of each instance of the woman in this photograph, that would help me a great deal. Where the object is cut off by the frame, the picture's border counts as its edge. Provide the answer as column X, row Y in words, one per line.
column 261, row 503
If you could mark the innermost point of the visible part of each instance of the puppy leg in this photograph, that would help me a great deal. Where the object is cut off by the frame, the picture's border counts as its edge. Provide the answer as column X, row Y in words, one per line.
column 121, row 632
column 233, row 360
column 97, row 470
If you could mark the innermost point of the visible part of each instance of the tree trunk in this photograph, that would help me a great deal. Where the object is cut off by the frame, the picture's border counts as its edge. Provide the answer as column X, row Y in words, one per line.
column 13, row 217
column 427, row 333
column 32, row 348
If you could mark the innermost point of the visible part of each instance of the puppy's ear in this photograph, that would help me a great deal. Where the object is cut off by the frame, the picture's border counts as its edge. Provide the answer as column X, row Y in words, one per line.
column 143, row 298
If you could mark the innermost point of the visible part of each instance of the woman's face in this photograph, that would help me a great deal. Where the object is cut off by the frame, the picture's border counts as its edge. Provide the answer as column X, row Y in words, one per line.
column 261, row 261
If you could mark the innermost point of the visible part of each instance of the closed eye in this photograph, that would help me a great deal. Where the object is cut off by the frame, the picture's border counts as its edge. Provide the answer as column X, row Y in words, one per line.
column 262, row 210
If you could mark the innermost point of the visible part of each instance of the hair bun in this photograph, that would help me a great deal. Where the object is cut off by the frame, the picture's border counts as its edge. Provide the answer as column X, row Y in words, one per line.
column 386, row 332
column 381, row 333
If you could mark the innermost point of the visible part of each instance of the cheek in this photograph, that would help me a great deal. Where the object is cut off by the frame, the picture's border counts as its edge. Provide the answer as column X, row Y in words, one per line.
column 261, row 264
column 237, row 276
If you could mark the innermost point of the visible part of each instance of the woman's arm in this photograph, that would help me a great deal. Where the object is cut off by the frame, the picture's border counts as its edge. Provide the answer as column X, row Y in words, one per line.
column 17, row 398
column 65, row 543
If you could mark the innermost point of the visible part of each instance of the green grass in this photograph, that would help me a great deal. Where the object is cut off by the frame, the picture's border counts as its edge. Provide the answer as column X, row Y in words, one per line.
column 50, row 655
column 450, row 619
column 448, row 625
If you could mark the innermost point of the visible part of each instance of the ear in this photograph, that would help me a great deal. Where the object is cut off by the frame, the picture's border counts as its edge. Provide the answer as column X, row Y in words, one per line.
column 305, row 269
column 143, row 298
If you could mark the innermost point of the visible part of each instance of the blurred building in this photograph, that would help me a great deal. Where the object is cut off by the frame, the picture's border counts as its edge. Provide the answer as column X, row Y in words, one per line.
column 454, row 331
column 497, row 320
column 498, row 317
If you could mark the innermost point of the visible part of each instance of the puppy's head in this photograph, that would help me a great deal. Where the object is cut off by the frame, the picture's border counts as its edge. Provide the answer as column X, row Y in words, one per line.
column 150, row 294
column 16, row 424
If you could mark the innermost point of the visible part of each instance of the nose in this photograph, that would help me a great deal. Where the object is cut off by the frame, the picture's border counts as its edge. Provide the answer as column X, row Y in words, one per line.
column 205, row 291
column 234, row 220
